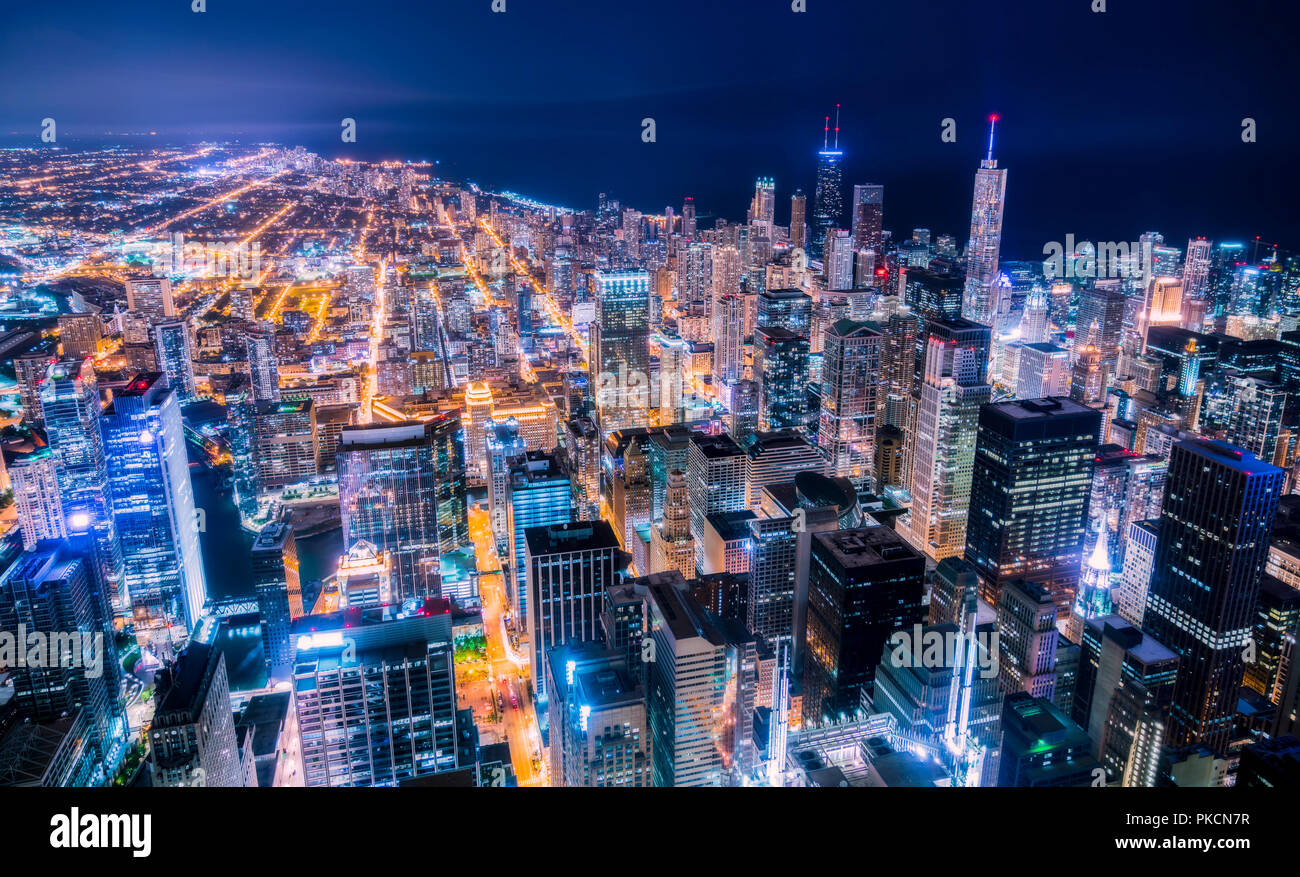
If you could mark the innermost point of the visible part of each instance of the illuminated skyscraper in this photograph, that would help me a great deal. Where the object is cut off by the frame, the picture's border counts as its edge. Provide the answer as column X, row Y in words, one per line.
column 175, row 358
column 153, row 503
column 71, row 409
column 192, row 736
column 953, row 389
column 850, row 383
column 798, row 219
column 828, row 204
column 1031, row 481
column 621, row 349
column 539, row 493
column 781, row 372
column 597, row 718
column 568, row 568
column 863, row 585
column 985, row 237
column 1215, row 526
column 264, row 373
column 869, row 218
column 151, row 299
column 33, row 478
column 402, row 488
column 375, row 696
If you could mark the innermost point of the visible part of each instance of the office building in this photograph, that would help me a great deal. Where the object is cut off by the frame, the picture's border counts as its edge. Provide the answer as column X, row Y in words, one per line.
column 1215, row 527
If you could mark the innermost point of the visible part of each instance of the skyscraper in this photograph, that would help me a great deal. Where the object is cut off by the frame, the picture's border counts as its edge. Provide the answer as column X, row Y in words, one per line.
column 1029, row 494
column 1215, row 527
column 153, row 503
column 798, row 219
column 952, row 390
column 985, row 237
column 192, row 735
column 375, row 696
column 151, row 299
column 850, row 383
column 597, row 719
column 687, row 687
column 569, row 566
column 402, row 488
column 621, row 348
column 781, row 372
column 863, row 585
column 264, row 373
column 175, row 359
column 33, row 478
column 539, row 492
column 869, row 218
column 70, row 405
column 278, row 588
column 828, row 203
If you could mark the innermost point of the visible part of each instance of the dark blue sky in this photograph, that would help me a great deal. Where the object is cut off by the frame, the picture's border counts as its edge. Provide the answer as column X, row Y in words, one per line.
column 1113, row 123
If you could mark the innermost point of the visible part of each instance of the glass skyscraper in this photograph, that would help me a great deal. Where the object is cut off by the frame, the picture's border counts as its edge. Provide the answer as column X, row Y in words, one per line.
column 72, row 413
column 153, row 503
column 402, row 488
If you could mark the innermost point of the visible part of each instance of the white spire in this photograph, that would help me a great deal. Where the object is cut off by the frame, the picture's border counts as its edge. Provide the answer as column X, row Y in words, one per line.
column 1100, row 559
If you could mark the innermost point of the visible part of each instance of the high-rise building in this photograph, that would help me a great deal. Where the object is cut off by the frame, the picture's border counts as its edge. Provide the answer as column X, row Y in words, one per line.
column 728, row 352
column 34, row 481
column 850, row 383
column 784, row 308
column 81, row 335
column 952, row 390
column 839, row 259
column 1044, row 370
column 1123, row 697
column 1027, row 627
column 55, row 614
column 72, row 413
column 375, row 696
column 151, row 299
column 985, row 245
column 869, row 218
column 278, row 587
column 569, row 566
column 671, row 545
column 1135, row 578
column 828, row 202
column 539, row 492
column 798, row 219
column 1215, row 527
column 863, row 584
column 715, row 482
column 781, row 372
column 153, row 504
column 1030, row 487
column 402, row 488
column 600, row 737
column 286, row 442
column 174, row 356
column 192, row 733
column 687, row 686
column 263, row 369
column 776, row 456
column 621, row 348
column 30, row 371
column 1043, row 747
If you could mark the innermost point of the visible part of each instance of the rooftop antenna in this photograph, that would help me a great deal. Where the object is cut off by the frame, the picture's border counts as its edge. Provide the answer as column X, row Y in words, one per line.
column 826, row 134
column 993, row 120
column 837, row 127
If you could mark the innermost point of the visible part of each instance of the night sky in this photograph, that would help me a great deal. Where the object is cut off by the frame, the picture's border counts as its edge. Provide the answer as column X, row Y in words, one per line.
column 1112, row 123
